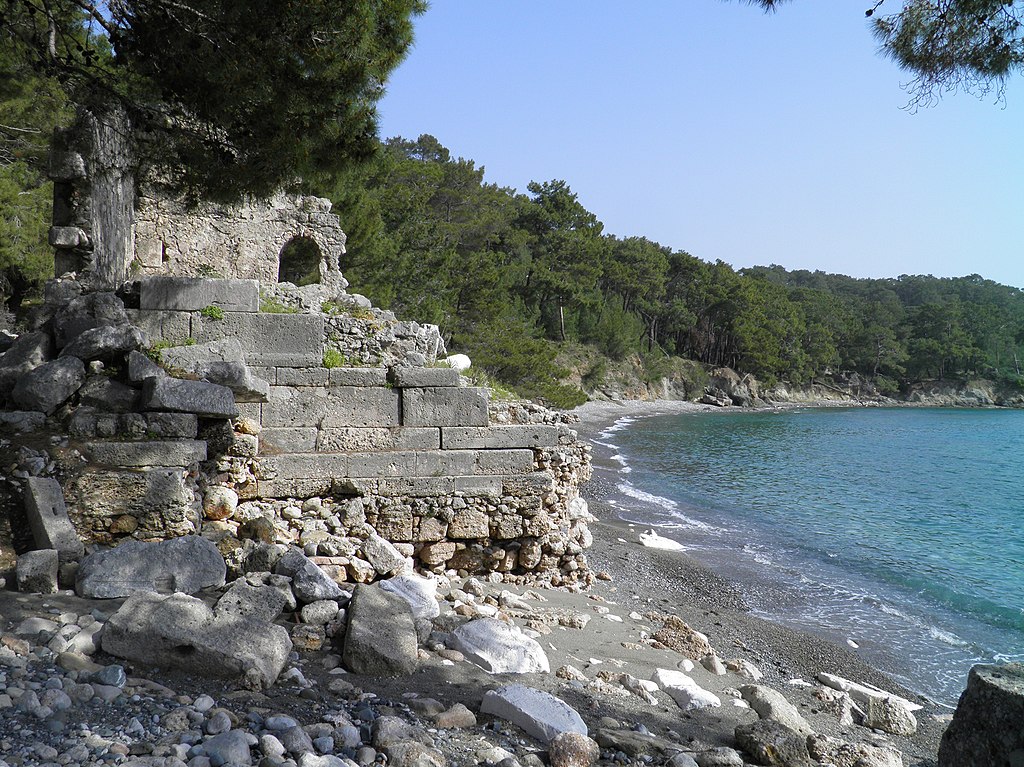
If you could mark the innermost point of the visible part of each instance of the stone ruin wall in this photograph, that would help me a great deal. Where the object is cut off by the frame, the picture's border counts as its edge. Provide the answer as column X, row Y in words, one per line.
column 240, row 241
column 382, row 445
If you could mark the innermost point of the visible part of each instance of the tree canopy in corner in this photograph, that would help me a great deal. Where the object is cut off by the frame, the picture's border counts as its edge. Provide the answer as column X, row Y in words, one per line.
column 948, row 45
column 236, row 97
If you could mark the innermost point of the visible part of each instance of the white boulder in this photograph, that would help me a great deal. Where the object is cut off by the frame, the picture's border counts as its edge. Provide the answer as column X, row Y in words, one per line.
column 687, row 694
column 498, row 647
column 539, row 714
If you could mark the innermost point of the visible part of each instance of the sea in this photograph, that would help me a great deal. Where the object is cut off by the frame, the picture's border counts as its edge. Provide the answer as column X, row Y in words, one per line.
column 897, row 532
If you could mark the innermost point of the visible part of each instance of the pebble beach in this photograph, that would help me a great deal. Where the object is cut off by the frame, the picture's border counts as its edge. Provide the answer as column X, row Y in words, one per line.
column 64, row 702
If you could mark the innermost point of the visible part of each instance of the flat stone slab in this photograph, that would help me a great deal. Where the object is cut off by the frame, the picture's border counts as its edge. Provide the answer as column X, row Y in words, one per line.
column 187, row 564
column 178, row 396
column 183, row 452
column 502, row 437
column 182, row 632
column 50, row 385
column 164, row 293
column 265, row 335
column 411, row 377
column 48, row 518
column 540, row 714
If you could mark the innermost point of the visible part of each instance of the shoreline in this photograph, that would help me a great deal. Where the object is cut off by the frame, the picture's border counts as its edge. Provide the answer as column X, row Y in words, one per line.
column 709, row 599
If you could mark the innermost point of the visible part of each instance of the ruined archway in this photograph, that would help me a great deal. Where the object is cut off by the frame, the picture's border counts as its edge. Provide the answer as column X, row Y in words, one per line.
column 299, row 261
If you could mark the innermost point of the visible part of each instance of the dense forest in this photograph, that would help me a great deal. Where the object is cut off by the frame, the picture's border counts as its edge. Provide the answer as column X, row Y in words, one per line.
column 513, row 278
column 509, row 277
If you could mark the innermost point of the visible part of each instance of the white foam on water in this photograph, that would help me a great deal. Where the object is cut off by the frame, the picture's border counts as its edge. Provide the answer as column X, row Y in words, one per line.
column 619, row 425
column 641, row 495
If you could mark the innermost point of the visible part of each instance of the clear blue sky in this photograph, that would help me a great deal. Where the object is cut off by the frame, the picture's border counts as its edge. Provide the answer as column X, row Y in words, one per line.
column 711, row 127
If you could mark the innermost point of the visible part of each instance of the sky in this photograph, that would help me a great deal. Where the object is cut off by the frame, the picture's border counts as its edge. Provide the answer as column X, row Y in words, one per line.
column 712, row 127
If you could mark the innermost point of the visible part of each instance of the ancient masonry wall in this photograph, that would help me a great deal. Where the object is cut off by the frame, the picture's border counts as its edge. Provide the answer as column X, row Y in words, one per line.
column 382, row 447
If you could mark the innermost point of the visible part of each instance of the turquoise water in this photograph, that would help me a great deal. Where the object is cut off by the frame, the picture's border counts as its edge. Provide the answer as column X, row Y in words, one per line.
column 896, row 531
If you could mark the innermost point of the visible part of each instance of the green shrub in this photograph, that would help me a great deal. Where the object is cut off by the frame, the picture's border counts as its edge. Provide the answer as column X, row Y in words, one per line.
column 271, row 305
column 212, row 312
column 334, row 359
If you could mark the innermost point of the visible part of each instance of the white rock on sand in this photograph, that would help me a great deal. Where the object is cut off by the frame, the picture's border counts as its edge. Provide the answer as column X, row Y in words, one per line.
column 538, row 713
column 685, row 691
column 652, row 540
column 862, row 692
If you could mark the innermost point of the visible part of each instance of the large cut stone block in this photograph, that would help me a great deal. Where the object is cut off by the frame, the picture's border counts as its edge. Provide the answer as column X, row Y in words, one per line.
column 419, row 487
column 301, row 376
column 48, row 518
column 540, row 714
column 399, row 464
column 266, row 334
column 358, row 376
column 307, row 465
column 162, row 326
column 504, row 462
column 179, row 396
column 296, row 439
column 187, row 564
column 182, row 632
column 502, row 437
column 164, row 293
column 369, row 439
column 151, row 453
column 288, row 408
column 444, row 406
column 489, row 487
column 416, row 377
column 361, row 406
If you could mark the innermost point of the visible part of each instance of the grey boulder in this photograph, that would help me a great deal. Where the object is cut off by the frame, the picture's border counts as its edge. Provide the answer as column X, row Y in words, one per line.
column 182, row 632
column 50, row 385
column 257, row 595
column 186, row 564
column 107, row 343
column 309, row 582
column 498, row 647
column 36, row 571
column 218, row 362
column 380, row 638
column 986, row 727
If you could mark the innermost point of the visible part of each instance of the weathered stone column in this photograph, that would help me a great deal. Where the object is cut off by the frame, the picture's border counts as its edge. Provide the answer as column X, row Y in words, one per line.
column 93, row 167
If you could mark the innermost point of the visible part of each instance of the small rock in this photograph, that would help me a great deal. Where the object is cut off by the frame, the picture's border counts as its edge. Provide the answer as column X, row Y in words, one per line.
column 572, row 749
column 457, row 717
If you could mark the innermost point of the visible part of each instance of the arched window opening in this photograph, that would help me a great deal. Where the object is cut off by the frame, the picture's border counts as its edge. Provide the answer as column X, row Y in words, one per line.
column 299, row 262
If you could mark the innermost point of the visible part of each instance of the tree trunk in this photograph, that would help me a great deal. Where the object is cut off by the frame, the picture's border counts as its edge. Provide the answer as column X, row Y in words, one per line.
column 111, row 165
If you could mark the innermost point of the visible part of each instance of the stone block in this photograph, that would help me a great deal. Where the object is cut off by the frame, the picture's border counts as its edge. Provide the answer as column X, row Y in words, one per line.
column 172, row 425
column 141, row 367
column 367, row 439
column 380, row 639
column 469, row 523
column 504, row 462
column 67, row 237
column 290, row 408
column 385, row 464
column 357, row 376
column 537, row 483
column 284, row 359
column 445, row 463
column 487, row 487
column 251, row 410
column 159, row 499
column 444, row 406
column 36, row 571
column 162, row 326
column 295, row 439
column 50, row 385
column 295, row 488
column 179, row 396
column 419, row 487
column 301, row 376
column 107, row 395
column 167, row 293
column 417, row 377
column 262, row 335
column 107, row 342
column 431, row 529
column 48, row 518
column 308, row 465
column 500, row 437
column 149, row 453
column 361, row 406
column 188, row 564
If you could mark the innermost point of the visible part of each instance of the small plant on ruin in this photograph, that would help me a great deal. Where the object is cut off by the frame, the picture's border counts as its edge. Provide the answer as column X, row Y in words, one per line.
column 334, row 359
column 212, row 312
column 272, row 305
